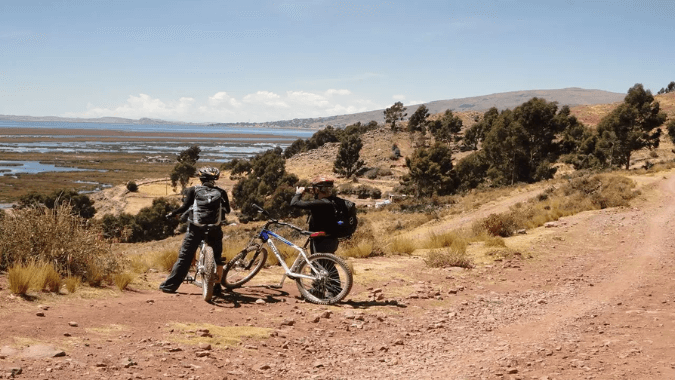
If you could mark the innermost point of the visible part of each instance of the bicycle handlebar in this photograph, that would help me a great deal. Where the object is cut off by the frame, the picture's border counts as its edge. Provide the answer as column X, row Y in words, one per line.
column 277, row 221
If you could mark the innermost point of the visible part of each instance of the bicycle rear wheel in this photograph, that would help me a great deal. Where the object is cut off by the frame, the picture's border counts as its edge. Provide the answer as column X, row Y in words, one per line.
column 244, row 266
column 332, row 281
column 207, row 272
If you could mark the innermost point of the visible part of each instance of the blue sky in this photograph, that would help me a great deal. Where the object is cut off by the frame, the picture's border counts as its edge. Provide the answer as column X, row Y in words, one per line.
column 254, row 61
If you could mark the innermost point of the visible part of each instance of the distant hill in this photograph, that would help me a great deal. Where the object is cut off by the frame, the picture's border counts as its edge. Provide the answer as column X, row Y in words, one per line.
column 566, row 96
column 103, row 120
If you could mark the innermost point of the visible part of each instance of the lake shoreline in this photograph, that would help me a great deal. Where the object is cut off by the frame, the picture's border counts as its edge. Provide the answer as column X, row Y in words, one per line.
column 73, row 134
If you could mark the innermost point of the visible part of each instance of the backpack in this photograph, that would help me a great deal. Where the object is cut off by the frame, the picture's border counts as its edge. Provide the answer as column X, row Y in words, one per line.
column 206, row 208
column 345, row 217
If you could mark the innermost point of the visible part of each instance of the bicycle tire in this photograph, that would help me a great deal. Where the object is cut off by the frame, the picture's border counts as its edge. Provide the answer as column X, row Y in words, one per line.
column 328, row 288
column 244, row 266
column 208, row 273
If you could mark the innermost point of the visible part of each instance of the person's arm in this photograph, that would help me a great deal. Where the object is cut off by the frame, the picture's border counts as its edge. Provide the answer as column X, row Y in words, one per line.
column 187, row 202
column 225, row 201
column 299, row 203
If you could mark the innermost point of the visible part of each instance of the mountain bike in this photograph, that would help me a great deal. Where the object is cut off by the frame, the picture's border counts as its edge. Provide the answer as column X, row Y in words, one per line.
column 321, row 278
column 203, row 272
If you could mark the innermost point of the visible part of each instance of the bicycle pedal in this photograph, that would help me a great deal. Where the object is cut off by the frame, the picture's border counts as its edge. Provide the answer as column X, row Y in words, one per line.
column 189, row 279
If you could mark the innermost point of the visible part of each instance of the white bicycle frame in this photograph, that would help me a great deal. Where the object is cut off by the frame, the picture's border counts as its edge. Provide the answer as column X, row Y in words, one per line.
column 267, row 236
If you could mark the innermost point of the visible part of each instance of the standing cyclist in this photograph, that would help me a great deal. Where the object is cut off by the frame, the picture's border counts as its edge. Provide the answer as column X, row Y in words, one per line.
column 322, row 213
column 321, row 219
column 205, row 205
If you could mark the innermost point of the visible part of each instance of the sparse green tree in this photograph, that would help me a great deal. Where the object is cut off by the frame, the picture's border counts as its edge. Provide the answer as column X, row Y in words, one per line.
column 418, row 120
column 431, row 171
column 633, row 125
column 446, row 128
column 475, row 134
column 670, row 127
column 181, row 174
column 394, row 113
column 190, row 155
column 185, row 168
column 266, row 185
column 348, row 161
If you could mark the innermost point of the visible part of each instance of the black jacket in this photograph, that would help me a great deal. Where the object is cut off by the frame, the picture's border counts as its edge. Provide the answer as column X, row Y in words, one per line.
column 322, row 212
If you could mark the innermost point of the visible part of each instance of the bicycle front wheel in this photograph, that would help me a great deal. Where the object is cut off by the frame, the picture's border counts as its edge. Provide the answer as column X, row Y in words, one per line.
column 208, row 272
column 244, row 266
column 332, row 279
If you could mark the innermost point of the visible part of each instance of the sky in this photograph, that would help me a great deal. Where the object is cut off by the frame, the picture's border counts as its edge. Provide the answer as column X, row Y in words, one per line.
column 257, row 61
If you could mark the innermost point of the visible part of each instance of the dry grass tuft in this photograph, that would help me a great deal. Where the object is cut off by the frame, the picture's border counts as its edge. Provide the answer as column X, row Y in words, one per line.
column 451, row 239
column 164, row 260
column 45, row 277
column 70, row 243
column 122, row 280
column 495, row 241
column 19, row 278
column 361, row 249
column 402, row 246
column 439, row 258
column 72, row 283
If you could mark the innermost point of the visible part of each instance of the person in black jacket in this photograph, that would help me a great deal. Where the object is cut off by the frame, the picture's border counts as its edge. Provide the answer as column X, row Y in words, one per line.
column 321, row 219
column 322, row 213
column 205, row 205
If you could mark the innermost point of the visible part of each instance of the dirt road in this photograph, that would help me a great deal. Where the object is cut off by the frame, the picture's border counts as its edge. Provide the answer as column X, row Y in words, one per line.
column 591, row 298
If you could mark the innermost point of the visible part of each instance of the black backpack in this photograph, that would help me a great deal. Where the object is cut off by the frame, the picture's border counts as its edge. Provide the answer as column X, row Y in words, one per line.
column 345, row 216
column 206, row 208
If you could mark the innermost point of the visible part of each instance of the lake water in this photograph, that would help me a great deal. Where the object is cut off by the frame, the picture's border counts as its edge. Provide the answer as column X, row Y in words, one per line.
column 241, row 141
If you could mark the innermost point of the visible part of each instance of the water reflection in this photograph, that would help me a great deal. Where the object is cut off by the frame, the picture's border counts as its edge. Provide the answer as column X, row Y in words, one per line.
column 33, row 167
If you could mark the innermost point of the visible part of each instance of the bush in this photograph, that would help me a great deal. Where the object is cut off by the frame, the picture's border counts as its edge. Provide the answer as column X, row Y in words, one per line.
column 149, row 224
column 72, row 283
column 69, row 242
column 439, row 258
column 19, row 277
column 122, row 280
column 78, row 204
column 503, row 225
column 132, row 186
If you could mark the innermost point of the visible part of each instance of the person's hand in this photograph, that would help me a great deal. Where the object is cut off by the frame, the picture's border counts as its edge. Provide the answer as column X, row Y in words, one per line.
column 299, row 190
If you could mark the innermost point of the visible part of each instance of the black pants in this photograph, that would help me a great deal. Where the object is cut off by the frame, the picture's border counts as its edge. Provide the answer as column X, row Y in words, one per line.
column 193, row 237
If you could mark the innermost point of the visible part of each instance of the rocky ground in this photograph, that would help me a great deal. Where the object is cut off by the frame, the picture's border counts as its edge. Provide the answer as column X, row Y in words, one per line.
column 589, row 297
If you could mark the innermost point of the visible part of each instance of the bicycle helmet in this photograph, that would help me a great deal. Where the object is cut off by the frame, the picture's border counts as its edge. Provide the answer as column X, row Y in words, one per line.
column 209, row 173
column 323, row 181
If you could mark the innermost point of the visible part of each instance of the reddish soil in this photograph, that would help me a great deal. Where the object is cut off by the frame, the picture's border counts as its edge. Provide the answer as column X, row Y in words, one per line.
column 589, row 298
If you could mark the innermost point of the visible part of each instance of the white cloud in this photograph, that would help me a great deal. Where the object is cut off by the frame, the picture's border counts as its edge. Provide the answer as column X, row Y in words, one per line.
column 398, row 97
column 414, row 102
column 265, row 98
column 332, row 91
column 259, row 106
column 222, row 100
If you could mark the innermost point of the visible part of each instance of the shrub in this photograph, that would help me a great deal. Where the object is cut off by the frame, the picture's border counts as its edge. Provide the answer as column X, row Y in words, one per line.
column 46, row 278
column 132, row 186
column 402, row 246
column 448, row 258
column 72, row 283
column 19, row 277
column 496, row 225
column 70, row 243
column 164, row 260
column 450, row 239
column 122, row 280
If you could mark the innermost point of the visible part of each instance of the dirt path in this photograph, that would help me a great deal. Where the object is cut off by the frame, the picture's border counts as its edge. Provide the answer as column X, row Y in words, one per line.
column 589, row 299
